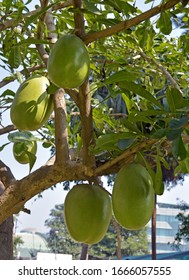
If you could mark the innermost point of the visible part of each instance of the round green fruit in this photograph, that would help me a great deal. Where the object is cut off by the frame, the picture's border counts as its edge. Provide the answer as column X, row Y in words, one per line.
column 68, row 63
column 87, row 211
column 133, row 197
column 32, row 105
column 21, row 150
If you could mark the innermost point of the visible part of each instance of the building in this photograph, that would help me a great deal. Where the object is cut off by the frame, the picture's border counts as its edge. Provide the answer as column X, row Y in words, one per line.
column 166, row 228
column 32, row 243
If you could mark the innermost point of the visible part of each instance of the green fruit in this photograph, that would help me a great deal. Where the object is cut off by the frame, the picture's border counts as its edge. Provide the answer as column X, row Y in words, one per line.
column 133, row 197
column 22, row 149
column 68, row 63
column 32, row 104
column 87, row 211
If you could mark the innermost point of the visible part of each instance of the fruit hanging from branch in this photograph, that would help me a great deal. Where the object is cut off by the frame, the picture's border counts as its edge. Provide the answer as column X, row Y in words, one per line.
column 23, row 151
column 32, row 104
column 87, row 211
column 133, row 196
column 68, row 63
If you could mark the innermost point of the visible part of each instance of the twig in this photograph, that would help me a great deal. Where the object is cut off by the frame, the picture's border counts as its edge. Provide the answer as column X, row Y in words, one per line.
column 7, row 129
column 126, row 157
column 40, row 47
column 118, row 233
column 11, row 79
column 55, row 7
column 90, row 37
column 162, row 69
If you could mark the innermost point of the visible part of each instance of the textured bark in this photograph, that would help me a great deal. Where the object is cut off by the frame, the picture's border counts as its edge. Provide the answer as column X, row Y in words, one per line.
column 6, row 236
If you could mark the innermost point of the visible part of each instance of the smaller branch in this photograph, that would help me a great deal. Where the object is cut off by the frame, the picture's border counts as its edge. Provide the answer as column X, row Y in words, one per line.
column 55, row 7
column 7, row 129
column 118, row 233
column 162, row 69
column 112, row 166
column 11, row 79
column 42, row 52
column 79, row 19
column 61, row 133
column 86, row 124
column 93, row 36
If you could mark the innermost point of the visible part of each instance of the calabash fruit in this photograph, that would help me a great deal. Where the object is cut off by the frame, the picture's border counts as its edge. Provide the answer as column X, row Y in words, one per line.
column 87, row 211
column 68, row 63
column 32, row 105
column 133, row 197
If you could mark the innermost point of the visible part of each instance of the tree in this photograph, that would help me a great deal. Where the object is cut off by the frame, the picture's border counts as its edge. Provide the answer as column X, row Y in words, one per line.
column 59, row 240
column 133, row 63
column 183, row 230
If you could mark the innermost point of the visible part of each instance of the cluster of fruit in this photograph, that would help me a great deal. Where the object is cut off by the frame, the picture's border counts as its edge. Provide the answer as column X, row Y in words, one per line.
column 88, row 208
column 68, row 67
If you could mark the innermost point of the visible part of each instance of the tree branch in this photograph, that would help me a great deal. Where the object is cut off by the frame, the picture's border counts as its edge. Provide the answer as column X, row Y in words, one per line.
column 125, row 158
column 162, row 69
column 56, row 6
column 18, row 192
column 11, row 79
column 6, row 176
column 90, row 37
column 86, row 124
column 79, row 19
column 7, row 129
column 61, row 133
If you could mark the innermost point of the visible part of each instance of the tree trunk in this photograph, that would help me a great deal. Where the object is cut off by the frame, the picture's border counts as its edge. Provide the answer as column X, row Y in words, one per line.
column 6, row 239
column 6, row 236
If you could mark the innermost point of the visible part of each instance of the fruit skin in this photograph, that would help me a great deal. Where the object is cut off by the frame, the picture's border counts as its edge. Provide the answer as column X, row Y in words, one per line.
column 87, row 211
column 22, row 157
column 32, row 105
column 68, row 63
column 133, row 197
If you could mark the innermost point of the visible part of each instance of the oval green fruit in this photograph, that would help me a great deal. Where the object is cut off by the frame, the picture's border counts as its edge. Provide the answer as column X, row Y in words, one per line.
column 32, row 105
column 87, row 211
column 21, row 150
column 133, row 197
column 68, row 63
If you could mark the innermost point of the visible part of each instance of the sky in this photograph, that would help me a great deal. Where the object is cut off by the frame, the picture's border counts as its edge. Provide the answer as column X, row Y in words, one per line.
column 40, row 207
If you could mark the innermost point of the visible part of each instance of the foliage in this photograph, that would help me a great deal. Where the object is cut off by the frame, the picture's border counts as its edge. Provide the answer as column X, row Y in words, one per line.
column 133, row 106
column 16, row 243
column 183, row 230
column 59, row 240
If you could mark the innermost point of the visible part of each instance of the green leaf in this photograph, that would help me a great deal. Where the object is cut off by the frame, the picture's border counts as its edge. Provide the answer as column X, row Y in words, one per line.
column 176, row 127
column 179, row 149
column 175, row 99
column 141, row 91
column 121, row 76
column 164, row 23
column 124, row 144
column 32, row 160
column 91, row 7
column 111, row 141
column 158, row 179
column 3, row 146
column 14, row 57
column 23, row 136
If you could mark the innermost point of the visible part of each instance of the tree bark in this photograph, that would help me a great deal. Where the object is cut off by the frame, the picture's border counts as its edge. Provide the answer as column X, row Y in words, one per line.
column 6, row 236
